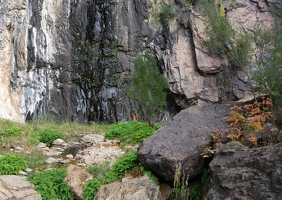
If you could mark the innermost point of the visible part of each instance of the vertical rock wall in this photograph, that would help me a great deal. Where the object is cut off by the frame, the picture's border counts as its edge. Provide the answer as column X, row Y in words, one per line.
column 72, row 59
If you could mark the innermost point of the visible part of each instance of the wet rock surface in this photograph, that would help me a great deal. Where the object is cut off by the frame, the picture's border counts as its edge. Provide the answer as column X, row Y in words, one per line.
column 238, row 172
column 182, row 141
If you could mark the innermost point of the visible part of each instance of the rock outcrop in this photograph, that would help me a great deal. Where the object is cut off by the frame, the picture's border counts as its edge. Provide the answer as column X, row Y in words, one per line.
column 17, row 187
column 182, row 141
column 136, row 188
column 72, row 60
column 238, row 172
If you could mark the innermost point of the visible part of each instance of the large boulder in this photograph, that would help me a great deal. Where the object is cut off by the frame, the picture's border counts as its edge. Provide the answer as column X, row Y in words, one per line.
column 76, row 178
column 136, row 188
column 182, row 140
column 17, row 187
column 238, row 172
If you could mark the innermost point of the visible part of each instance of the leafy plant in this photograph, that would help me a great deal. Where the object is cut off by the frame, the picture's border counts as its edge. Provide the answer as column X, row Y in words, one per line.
column 119, row 168
column 148, row 89
column 48, row 136
column 268, row 73
column 218, row 30
column 91, row 188
column 11, row 164
column 246, row 118
column 223, row 39
column 13, row 131
column 130, row 132
column 51, row 185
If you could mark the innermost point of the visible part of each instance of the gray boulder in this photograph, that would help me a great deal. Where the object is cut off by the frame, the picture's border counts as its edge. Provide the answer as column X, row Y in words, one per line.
column 17, row 187
column 238, row 172
column 182, row 141
column 140, row 188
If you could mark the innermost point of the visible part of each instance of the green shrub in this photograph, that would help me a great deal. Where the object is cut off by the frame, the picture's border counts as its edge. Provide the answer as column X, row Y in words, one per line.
column 13, row 131
column 125, row 163
column 121, row 166
column 48, row 136
column 11, row 164
column 51, row 185
column 91, row 188
column 131, row 132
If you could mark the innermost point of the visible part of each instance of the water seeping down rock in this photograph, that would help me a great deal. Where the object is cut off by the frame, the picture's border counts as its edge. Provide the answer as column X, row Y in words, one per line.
column 72, row 60
column 69, row 60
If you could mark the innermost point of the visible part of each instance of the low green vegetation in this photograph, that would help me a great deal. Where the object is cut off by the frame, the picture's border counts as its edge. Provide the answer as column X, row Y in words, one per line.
column 27, row 135
column 119, row 168
column 51, row 185
column 48, row 136
column 127, row 164
column 13, row 131
column 11, row 164
column 130, row 132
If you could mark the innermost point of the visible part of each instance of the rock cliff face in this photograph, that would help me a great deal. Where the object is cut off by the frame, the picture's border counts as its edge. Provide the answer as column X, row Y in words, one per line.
column 72, row 59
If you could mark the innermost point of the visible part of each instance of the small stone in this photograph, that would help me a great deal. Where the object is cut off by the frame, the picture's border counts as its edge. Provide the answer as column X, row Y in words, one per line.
column 23, row 173
column 60, row 149
column 93, row 138
column 29, row 170
column 64, row 161
column 69, row 156
column 51, row 160
column 58, row 142
column 19, row 149
column 41, row 145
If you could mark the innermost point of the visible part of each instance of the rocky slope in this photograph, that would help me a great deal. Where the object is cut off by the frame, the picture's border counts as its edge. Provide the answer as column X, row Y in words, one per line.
column 72, row 59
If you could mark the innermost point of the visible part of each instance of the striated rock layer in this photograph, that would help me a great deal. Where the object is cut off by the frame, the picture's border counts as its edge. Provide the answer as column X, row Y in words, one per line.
column 72, row 60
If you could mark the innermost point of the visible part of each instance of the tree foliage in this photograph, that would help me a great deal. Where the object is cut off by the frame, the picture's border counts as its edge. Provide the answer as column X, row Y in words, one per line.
column 148, row 89
column 269, row 70
column 223, row 39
